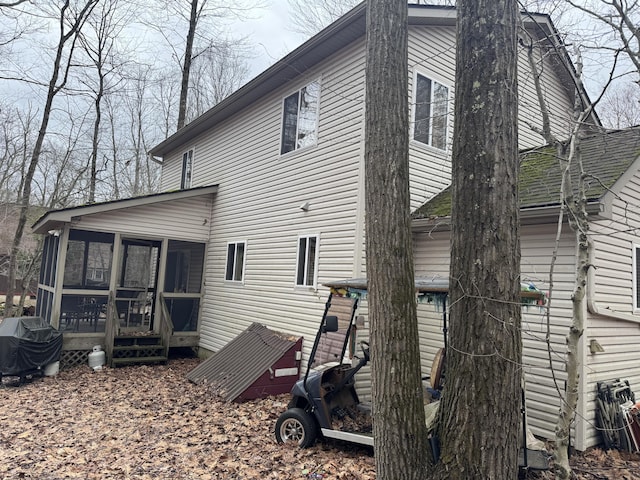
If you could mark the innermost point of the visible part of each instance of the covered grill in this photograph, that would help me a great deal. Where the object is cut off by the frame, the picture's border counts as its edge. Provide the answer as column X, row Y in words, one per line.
column 27, row 345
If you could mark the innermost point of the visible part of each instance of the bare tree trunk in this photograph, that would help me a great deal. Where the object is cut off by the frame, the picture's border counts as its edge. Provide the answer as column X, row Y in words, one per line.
column 77, row 21
column 186, row 68
column 114, row 150
column 480, row 413
column 574, row 201
column 576, row 204
column 95, row 139
column 400, row 435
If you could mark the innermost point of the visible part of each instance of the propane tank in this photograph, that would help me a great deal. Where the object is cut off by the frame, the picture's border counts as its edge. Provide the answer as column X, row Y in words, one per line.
column 97, row 358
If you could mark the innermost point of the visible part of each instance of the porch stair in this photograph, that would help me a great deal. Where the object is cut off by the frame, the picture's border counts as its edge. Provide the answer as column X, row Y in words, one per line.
column 138, row 349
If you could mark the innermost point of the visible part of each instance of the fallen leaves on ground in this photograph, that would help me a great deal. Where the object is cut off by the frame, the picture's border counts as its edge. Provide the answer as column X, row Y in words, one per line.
column 150, row 422
column 598, row 464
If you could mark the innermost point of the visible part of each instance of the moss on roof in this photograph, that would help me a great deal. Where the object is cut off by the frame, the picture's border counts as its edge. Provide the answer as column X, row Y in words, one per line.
column 605, row 156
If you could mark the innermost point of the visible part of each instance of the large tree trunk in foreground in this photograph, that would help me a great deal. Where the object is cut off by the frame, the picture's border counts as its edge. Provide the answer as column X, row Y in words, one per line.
column 399, row 428
column 480, row 411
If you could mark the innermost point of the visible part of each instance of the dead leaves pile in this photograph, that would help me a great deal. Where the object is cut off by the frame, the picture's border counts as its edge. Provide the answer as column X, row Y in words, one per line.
column 598, row 464
column 150, row 422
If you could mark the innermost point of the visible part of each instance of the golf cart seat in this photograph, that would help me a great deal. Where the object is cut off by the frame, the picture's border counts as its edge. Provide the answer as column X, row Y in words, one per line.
column 343, row 308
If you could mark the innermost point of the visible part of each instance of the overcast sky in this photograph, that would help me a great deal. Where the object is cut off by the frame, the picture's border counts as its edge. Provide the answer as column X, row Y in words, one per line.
column 270, row 32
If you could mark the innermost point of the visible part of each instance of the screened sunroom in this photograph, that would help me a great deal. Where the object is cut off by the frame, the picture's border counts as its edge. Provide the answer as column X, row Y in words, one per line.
column 127, row 268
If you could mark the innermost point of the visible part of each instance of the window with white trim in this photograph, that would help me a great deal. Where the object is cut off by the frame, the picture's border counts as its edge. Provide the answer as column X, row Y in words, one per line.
column 431, row 116
column 234, row 271
column 187, row 169
column 300, row 118
column 306, row 268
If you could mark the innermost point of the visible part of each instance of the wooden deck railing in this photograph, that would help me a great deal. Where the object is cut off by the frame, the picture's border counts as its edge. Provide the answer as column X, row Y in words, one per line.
column 165, row 325
column 112, row 324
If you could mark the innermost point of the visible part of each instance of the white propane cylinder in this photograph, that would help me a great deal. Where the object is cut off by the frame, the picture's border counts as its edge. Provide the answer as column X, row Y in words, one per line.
column 52, row 369
column 97, row 358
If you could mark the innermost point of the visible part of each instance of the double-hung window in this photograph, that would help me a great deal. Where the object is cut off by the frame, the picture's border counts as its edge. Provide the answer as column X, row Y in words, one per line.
column 431, row 112
column 306, row 270
column 300, row 118
column 234, row 271
column 187, row 169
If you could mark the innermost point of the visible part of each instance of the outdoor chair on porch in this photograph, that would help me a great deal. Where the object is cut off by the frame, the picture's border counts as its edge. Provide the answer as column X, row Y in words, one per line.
column 132, row 308
column 81, row 315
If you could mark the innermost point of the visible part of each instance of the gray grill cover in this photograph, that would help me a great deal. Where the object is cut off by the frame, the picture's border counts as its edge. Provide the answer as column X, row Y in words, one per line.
column 27, row 344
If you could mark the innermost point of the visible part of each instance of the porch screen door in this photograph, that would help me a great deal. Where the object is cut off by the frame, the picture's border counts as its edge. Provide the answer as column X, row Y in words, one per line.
column 135, row 298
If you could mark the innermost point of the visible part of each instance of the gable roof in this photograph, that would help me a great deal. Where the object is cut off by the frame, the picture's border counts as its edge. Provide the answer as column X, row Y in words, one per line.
column 337, row 35
column 54, row 219
column 606, row 156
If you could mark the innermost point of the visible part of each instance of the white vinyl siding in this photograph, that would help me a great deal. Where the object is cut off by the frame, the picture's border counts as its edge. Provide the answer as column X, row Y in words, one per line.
column 235, row 261
column 432, row 257
column 432, row 54
column 260, row 203
column 185, row 219
column 636, row 277
column 614, row 256
column 261, row 190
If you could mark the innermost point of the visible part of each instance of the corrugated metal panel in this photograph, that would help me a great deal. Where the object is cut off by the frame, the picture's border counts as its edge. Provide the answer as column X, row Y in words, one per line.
column 243, row 361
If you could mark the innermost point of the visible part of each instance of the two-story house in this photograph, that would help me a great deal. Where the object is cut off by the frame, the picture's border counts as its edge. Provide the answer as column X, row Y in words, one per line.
column 264, row 196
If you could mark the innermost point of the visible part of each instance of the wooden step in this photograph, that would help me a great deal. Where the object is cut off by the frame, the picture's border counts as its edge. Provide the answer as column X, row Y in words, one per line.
column 149, row 340
column 134, row 348
column 117, row 362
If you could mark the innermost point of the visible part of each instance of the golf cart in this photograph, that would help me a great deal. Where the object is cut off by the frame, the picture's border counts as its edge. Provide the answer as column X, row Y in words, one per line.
column 325, row 402
column 326, row 394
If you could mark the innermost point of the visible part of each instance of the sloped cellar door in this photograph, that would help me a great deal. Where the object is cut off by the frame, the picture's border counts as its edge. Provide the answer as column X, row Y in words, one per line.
column 136, row 292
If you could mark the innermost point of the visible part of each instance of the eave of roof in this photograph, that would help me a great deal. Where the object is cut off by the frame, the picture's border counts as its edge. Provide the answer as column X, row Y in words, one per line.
column 339, row 34
column 54, row 219
column 343, row 31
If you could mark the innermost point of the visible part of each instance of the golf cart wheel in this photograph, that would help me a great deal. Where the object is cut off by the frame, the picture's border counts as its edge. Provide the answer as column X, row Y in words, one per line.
column 296, row 426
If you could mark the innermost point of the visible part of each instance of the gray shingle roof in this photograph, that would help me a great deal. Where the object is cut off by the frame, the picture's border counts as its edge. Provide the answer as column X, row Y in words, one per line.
column 606, row 157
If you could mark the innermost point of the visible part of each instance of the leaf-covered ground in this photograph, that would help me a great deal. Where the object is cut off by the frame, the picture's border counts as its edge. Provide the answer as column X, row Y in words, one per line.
column 152, row 423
